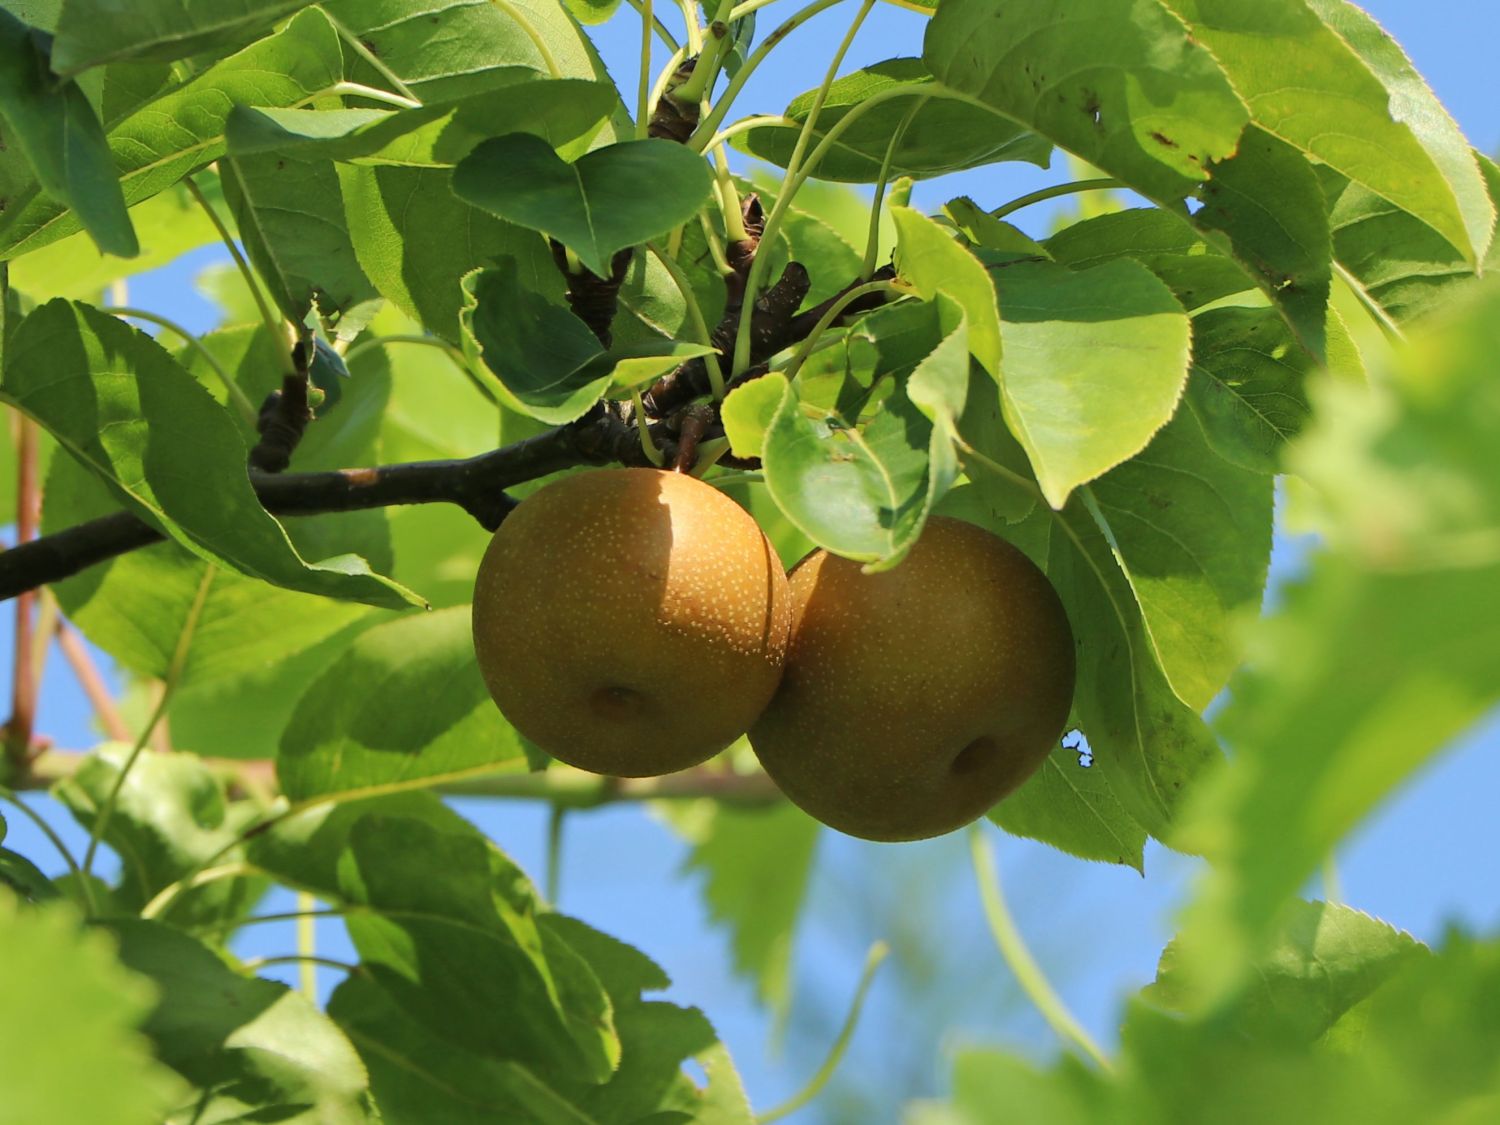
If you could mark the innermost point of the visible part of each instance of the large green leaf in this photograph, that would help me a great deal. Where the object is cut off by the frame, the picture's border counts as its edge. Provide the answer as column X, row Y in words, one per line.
column 1070, row 806
column 441, row 902
column 1192, row 533
column 91, row 34
column 416, row 241
column 932, row 262
column 937, row 134
column 1126, row 88
column 253, row 1049
column 1344, row 93
column 543, row 360
column 1388, row 648
column 446, row 49
column 864, row 490
column 120, row 404
column 61, row 136
column 613, row 197
column 70, row 1010
column 170, row 136
column 356, row 727
column 1095, row 362
column 290, row 216
column 170, row 818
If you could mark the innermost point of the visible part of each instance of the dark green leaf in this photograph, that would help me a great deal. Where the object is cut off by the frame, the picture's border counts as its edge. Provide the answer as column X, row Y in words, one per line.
column 1127, row 89
column 356, row 727
column 91, row 34
column 71, row 1010
column 932, row 262
column 937, row 134
column 121, row 405
column 60, row 134
column 613, row 197
column 170, row 136
column 254, row 1049
column 24, row 878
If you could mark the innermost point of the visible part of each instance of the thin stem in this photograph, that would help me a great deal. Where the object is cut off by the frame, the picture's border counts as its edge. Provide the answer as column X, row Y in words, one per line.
column 695, row 317
column 531, row 33
column 835, row 310
column 267, row 316
column 556, row 817
column 972, row 454
column 357, row 46
column 709, row 453
column 648, row 447
column 1381, row 318
column 23, row 671
column 789, row 187
column 308, row 961
column 872, row 240
column 644, row 7
column 376, row 342
column 87, row 673
column 1028, row 974
column 289, row 915
column 659, row 89
column 174, row 671
column 691, row 27
column 47, row 617
column 307, row 947
column 715, row 245
column 1102, row 183
column 730, row 204
column 237, row 394
column 57, row 843
column 375, row 94
column 201, row 877
column 643, row 92
column 701, row 82
column 710, row 123
column 745, row 124
column 878, row 953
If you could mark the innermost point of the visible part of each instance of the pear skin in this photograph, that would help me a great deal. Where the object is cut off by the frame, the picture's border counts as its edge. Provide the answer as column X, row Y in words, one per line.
column 629, row 621
column 915, row 699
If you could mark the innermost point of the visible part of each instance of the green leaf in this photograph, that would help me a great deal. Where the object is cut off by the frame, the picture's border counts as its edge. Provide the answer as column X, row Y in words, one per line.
column 937, row 134
column 445, row 49
column 593, row 11
column 1127, row 89
column 1265, row 208
column 254, row 1049
column 183, row 129
column 290, row 217
column 1248, row 385
column 613, row 197
column 170, row 818
column 356, row 728
column 439, row 907
column 416, row 241
column 748, row 410
column 163, row 30
column 1197, row 273
column 566, row 112
column 1343, row 92
column 61, row 136
column 1326, row 959
column 144, row 426
column 1403, row 265
column 24, row 878
column 1095, row 361
column 984, row 230
column 864, row 490
column 984, row 1081
column 71, row 1010
column 545, row 362
column 1071, row 807
column 756, row 866
column 1387, row 649
column 1192, row 534
column 929, row 259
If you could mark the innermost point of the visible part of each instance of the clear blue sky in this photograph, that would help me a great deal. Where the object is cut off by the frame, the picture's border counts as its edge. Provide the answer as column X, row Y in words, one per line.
column 1424, row 861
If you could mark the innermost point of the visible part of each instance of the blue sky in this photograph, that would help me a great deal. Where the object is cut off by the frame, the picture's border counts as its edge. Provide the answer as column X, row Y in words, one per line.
column 1422, row 862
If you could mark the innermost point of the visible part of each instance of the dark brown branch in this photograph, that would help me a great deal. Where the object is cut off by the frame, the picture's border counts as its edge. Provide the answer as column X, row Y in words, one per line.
column 476, row 484
column 284, row 415
column 592, row 298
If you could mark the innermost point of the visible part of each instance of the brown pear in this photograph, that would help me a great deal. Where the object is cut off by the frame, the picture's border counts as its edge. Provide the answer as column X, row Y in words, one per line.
column 915, row 699
column 629, row 621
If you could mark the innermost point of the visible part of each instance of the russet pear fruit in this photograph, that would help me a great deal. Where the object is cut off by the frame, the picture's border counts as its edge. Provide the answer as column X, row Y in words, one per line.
column 629, row 621
column 915, row 699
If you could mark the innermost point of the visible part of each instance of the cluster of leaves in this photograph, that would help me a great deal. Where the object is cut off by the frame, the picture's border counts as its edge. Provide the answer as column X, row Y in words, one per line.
column 1115, row 399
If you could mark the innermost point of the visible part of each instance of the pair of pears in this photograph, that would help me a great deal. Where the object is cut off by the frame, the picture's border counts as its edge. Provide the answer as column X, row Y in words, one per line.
column 635, row 622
